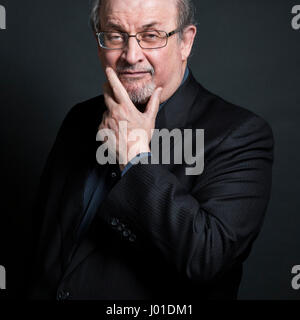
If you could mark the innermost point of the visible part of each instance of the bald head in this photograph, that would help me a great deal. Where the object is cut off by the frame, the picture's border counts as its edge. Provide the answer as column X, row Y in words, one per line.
column 185, row 15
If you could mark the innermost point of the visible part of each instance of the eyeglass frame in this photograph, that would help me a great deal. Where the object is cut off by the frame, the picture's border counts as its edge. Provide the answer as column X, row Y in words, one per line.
column 134, row 36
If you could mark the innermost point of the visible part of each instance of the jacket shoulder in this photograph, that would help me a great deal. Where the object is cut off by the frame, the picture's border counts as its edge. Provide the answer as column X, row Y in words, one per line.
column 216, row 114
column 84, row 115
column 87, row 108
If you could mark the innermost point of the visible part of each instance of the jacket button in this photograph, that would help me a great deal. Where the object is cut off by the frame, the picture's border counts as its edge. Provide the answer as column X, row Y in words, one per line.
column 63, row 295
column 113, row 174
column 132, row 238
column 114, row 222
column 126, row 233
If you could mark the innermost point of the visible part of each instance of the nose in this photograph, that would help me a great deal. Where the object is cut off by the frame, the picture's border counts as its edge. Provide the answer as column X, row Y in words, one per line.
column 133, row 53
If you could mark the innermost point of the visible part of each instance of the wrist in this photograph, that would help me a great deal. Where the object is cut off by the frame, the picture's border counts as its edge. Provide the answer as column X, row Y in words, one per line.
column 135, row 158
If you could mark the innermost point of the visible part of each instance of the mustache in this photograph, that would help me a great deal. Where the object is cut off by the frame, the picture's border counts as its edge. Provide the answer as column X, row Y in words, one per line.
column 134, row 68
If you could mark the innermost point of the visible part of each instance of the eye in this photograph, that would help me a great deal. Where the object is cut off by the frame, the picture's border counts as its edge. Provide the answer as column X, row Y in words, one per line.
column 114, row 37
column 150, row 36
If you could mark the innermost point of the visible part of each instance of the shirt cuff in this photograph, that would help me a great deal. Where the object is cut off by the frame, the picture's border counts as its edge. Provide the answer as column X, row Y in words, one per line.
column 136, row 160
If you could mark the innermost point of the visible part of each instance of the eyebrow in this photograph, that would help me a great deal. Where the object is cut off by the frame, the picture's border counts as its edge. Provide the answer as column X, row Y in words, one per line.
column 115, row 26
column 149, row 25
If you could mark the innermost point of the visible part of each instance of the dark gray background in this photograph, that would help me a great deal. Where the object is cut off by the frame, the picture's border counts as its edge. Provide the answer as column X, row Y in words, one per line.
column 246, row 52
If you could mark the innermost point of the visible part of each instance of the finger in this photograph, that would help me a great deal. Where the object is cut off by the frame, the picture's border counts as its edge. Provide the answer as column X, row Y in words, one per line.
column 118, row 89
column 109, row 102
column 107, row 89
column 104, row 116
column 108, row 96
column 108, row 121
column 153, row 104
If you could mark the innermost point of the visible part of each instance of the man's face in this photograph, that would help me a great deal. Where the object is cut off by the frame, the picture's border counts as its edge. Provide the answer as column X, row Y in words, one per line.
column 142, row 70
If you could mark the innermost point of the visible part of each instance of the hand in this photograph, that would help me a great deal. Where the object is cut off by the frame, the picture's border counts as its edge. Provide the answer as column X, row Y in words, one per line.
column 136, row 137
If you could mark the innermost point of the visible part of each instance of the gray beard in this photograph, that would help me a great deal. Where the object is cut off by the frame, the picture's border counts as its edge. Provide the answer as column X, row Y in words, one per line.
column 138, row 96
column 142, row 95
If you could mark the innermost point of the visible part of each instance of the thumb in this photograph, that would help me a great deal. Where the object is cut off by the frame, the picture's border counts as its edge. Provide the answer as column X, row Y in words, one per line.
column 153, row 104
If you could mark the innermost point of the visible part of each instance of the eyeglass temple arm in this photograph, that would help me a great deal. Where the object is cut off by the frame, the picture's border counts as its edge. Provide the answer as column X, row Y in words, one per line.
column 173, row 32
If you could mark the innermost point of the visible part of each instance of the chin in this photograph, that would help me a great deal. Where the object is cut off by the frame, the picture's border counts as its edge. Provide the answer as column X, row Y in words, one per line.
column 140, row 95
column 138, row 98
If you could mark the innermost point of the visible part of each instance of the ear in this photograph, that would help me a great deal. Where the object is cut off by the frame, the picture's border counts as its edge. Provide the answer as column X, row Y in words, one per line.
column 188, row 37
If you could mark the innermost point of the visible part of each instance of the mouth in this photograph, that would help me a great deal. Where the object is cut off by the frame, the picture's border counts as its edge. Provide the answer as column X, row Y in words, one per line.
column 133, row 74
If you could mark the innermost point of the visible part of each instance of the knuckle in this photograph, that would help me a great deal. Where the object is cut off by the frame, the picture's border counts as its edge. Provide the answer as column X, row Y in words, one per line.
column 114, row 114
column 111, row 122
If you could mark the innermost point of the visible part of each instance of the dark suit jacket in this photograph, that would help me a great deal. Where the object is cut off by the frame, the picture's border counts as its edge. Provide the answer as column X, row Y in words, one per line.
column 192, row 232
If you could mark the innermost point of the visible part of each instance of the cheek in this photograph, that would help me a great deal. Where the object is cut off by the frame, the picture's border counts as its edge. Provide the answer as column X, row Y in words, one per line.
column 109, row 58
column 164, row 63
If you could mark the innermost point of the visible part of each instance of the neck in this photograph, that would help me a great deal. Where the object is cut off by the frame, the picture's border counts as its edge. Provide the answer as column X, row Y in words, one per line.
column 174, row 85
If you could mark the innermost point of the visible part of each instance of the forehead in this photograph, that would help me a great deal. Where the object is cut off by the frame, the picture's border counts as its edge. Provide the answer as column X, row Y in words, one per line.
column 138, row 13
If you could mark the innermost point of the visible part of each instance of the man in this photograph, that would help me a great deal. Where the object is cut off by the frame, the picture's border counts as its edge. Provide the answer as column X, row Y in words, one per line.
column 138, row 230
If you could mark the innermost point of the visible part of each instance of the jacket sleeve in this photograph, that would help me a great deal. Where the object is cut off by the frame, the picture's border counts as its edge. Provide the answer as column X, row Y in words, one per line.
column 206, row 230
column 53, row 165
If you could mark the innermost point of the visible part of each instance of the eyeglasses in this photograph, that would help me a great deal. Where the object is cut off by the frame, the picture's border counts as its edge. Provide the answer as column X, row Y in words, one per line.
column 153, row 39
